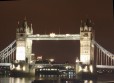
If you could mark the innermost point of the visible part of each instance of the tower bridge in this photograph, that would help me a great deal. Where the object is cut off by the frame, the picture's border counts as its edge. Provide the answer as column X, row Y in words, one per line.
column 21, row 49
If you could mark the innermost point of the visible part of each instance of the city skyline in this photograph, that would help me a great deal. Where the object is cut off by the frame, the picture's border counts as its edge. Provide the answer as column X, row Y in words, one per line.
column 58, row 17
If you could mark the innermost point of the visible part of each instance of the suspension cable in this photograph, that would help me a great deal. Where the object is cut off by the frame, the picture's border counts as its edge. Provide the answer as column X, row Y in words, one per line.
column 103, row 54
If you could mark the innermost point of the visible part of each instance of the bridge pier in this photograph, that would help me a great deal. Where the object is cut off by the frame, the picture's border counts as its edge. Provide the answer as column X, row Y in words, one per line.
column 84, row 71
column 22, row 69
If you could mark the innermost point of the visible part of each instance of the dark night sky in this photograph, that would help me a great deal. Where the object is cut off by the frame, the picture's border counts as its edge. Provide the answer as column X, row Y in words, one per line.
column 51, row 15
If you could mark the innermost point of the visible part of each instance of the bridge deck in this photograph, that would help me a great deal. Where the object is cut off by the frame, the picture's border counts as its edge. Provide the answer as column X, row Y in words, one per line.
column 105, row 66
column 54, row 37
column 5, row 64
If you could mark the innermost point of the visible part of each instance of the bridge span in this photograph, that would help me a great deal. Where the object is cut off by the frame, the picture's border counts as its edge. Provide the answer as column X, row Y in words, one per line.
column 92, row 54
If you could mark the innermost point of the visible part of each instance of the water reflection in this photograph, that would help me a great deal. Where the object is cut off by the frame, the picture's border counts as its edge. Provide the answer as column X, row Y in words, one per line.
column 29, row 80
column 15, row 80
column 85, row 81
column 89, row 81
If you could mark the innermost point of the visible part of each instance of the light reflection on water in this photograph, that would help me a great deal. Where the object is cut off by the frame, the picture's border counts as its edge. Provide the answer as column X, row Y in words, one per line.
column 88, row 81
column 29, row 80
column 15, row 80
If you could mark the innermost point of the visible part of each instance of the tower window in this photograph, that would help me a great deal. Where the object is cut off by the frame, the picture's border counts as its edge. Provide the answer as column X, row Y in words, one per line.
column 21, row 34
column 85, row 35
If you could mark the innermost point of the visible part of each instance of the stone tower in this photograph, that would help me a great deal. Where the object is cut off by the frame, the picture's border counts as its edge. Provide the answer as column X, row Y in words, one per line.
column 23, row 45
column 86, row 45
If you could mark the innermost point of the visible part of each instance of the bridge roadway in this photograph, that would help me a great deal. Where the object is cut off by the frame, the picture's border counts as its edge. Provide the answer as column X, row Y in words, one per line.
column 5, row 64
column 54, row 36
column 36, row 65
column 105, row 66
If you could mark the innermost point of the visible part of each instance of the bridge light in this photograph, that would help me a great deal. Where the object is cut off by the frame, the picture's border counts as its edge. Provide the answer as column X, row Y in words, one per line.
column 66, row 67
column 77, row 60
column 18, row 67
column 51, row 60
column 67, row 34
column 40, row 69
column 23, row 68
column 80, row 68
column 52, row 34
column 39, row 58
column 31, row 61
column 40, row 66
column 85, row 69
column 38, row 34
column 92, row 45
column 13, row 67
column 91, row 68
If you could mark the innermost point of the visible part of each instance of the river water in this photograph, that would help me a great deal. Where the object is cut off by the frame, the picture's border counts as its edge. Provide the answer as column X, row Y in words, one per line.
column 29, row 80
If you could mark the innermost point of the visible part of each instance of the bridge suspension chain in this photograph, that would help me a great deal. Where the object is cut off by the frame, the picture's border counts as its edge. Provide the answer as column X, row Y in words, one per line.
column 6, row 53
column 103, row 57
column 104, row 50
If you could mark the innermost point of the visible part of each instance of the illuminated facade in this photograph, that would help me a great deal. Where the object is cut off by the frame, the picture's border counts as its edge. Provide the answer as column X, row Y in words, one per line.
column 24, row 46
column 86, row 45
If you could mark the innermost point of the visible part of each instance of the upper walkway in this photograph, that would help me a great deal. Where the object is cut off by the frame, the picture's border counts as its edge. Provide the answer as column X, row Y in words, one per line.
column 54, row 36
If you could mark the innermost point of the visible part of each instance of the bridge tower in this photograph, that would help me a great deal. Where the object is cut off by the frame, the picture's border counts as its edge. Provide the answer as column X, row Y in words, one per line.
column 23, row 45
column 86, row 45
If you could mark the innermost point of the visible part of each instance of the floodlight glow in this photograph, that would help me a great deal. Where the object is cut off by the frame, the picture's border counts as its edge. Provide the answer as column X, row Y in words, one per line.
column 18, row 67
column 77, row 60
column 38, row 34
column 67, row 34
column 51, row 60
column 85, row 69
column 80, row 68
column 23, row 68
column 39, row 58
column 85, row 59
column 13, row 67
column 91, row 68
column 20, row 53
column 52, row 34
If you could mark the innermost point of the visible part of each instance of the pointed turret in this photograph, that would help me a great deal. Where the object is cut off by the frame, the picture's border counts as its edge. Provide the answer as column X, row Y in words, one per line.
column 31, row 30
column 18, row 27
column 88, row 23
column 24, row 25
column 86, row 26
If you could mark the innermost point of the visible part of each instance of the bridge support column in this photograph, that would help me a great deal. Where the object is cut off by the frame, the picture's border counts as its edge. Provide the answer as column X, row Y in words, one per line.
column 86, row 47
column 22, row 69
column 24, row 45
column 28, row 51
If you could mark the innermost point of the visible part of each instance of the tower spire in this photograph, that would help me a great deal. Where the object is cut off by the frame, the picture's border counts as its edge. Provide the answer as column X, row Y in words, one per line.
column 81, row 23
column 31, row 29
column 25, row 22
column 88, row 22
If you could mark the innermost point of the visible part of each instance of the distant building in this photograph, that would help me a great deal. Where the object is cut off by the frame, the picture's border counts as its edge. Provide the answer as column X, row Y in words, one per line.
column 44, row 68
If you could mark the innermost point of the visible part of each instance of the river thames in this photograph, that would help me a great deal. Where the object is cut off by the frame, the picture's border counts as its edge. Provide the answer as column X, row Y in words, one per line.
column 100, row 79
